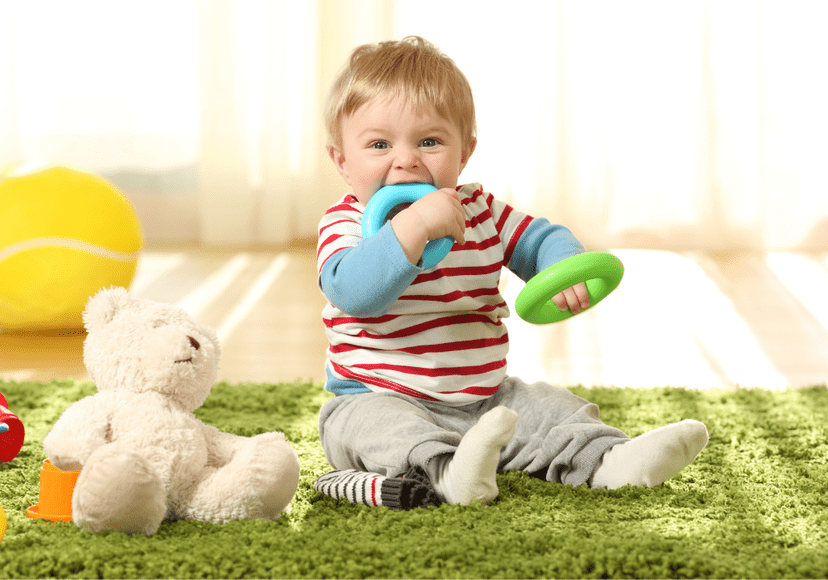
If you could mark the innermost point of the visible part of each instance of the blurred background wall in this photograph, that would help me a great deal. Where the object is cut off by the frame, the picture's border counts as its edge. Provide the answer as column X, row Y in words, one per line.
column 642, row 124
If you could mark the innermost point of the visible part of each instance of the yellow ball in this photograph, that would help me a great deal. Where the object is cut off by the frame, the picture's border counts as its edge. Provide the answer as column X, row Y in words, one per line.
column 2, row 523
column 64, row 235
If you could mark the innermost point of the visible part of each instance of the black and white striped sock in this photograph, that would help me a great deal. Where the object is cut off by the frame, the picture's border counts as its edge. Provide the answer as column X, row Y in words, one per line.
column 372, row 489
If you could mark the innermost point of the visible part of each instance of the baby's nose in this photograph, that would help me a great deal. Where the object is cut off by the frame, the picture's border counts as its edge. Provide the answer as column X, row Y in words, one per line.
column 406, row 157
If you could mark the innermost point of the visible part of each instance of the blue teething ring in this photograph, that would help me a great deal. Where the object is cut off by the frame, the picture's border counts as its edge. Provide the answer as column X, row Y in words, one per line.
column 389, row 197
column 601, row 271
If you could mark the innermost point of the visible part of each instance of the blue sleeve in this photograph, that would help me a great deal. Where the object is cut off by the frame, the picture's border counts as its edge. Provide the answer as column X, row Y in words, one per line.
column 541, row 245
column 366, row 279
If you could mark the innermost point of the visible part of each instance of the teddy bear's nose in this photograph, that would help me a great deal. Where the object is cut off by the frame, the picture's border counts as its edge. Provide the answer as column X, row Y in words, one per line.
column 194, row 343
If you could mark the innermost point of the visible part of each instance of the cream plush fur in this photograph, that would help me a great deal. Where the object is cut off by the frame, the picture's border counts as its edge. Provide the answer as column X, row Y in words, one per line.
column 142, row 453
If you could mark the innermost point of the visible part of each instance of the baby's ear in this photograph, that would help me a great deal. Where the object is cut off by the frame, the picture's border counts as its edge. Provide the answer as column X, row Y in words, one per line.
column 103, row 306
column 335, row 153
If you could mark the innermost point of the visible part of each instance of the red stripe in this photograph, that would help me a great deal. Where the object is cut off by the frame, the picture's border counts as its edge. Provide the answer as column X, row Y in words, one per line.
column 348, row 374
column 441, row 372
column 482, row 391
column 354, row 320
column 374, row 491
column 343, row 206
column 334, row 223
column 504, row 217
column 435, row 323
column 346, row 201
column 472, row 390
column 415, row 329
column 480, row 218
column 322, row 265
column 452, row 296
column 462, row 271
column 464, row 345
column 473, row 197
column 484, row 245
column 326, row 242
column 507, row 257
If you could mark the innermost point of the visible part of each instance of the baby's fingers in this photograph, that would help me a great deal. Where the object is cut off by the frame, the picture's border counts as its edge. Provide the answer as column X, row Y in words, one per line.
column 460, row 233
column 573, row 299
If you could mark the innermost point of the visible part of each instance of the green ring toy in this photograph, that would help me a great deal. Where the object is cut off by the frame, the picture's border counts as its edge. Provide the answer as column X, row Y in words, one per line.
column 601, row 271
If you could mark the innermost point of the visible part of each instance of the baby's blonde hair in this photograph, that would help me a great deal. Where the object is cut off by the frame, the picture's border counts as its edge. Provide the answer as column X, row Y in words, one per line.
column 412, row 68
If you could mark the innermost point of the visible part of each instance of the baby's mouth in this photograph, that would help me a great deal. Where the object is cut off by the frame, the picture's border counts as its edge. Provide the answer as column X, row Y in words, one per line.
column 409, row 182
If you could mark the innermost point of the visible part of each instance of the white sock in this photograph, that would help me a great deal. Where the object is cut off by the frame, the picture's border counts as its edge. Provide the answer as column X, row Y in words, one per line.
column 652, row 458
column 471, row 472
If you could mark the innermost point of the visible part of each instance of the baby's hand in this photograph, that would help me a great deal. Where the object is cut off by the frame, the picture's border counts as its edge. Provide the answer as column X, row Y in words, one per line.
column 436, row 215
column 575, row 299
column 441, row 214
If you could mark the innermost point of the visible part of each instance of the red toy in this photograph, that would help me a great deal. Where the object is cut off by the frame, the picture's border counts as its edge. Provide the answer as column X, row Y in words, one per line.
column 11, row 432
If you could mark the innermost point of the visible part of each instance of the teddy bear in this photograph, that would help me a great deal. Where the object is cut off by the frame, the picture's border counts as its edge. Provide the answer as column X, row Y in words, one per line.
column 142, row 454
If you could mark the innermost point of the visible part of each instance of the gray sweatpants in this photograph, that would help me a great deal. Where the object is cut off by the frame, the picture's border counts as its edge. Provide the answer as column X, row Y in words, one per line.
column 558, row 436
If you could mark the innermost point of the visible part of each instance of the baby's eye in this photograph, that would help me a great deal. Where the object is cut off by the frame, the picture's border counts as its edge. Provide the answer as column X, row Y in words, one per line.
column 158, row 323
column 380, row 145
column 428, row 142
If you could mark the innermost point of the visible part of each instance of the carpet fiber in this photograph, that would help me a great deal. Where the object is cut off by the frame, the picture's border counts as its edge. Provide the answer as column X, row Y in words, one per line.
column 753, row 504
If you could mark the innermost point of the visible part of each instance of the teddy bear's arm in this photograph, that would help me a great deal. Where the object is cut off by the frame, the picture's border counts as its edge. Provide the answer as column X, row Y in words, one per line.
column 82, row 428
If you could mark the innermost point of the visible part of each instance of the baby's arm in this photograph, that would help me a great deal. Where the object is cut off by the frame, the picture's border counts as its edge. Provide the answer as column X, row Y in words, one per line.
column 434, row 216
column 366, row 279
column 541, row 245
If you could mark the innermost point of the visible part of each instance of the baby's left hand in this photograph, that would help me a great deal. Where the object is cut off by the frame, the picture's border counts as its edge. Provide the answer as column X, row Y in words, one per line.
column 575, row 299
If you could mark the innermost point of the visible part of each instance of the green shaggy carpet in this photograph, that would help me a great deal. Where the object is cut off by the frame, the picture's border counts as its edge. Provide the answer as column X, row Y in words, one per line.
column 753, row 505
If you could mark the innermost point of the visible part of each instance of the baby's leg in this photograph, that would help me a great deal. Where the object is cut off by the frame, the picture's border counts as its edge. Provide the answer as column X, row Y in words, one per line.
column 386, row 433
column 559, row 437
column 470, row 473
column 652, row 458
column 414, row 489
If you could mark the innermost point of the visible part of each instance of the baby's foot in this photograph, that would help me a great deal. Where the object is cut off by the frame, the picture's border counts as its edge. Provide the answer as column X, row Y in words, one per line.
column 652, row 458
column 471, row 472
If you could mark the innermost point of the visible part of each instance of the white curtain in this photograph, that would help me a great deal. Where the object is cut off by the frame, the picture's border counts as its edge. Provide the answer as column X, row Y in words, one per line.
column 640, row 123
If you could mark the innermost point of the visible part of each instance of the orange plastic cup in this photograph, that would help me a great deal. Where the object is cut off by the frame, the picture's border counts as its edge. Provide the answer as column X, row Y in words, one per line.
column 55, row 497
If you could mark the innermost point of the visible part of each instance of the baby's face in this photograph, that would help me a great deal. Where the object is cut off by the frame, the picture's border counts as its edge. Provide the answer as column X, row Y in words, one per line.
column 387, row 141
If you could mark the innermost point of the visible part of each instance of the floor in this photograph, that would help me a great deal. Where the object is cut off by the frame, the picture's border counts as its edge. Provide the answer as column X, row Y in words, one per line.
column 688, row 319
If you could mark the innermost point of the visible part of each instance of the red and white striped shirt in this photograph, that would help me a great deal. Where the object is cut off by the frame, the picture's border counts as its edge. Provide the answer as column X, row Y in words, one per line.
column 433, row 334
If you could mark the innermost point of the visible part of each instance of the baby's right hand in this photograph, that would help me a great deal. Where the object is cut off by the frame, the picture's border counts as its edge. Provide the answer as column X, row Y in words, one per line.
column 436, row 215
column 441, row 214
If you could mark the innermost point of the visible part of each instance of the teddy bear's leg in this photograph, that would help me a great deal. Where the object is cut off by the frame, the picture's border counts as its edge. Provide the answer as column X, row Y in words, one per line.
column 118, row 490
column 257, row 483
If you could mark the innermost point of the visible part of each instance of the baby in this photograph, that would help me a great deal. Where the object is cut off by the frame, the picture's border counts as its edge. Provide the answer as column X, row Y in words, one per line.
column 417, row 357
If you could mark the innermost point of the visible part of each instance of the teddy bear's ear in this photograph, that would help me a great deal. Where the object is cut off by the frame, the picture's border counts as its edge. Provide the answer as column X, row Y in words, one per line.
column 103, row 306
